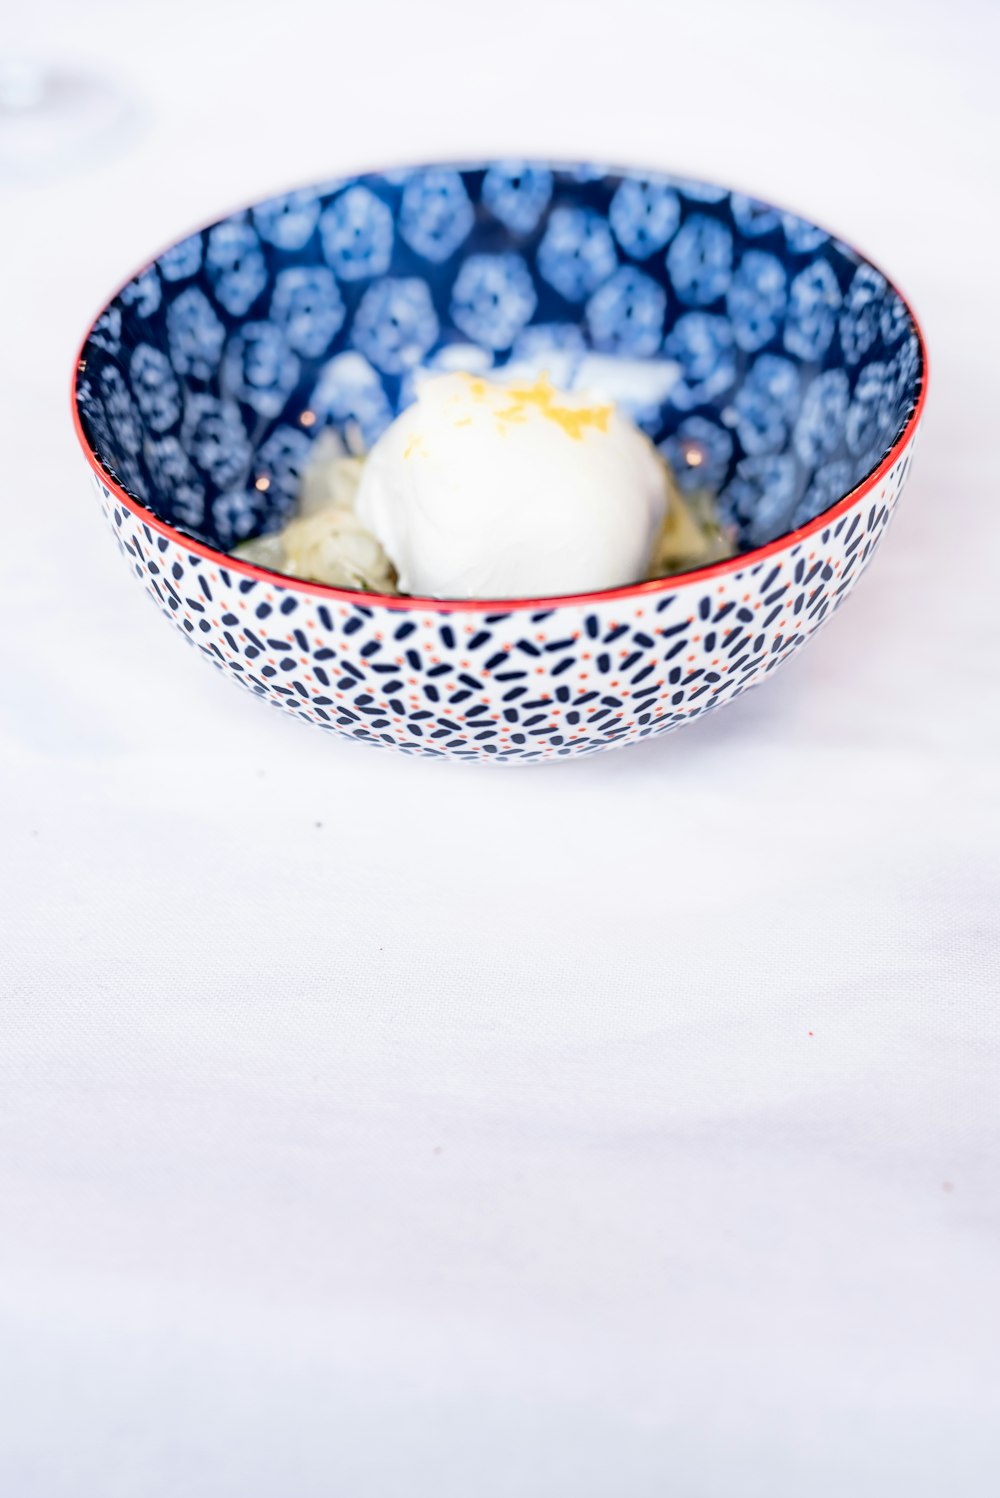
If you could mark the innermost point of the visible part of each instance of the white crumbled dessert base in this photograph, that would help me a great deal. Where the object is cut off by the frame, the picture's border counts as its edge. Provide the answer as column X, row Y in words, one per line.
column 326, row 543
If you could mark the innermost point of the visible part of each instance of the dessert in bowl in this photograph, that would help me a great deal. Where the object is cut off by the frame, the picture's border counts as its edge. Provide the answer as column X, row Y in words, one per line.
column 507, row 461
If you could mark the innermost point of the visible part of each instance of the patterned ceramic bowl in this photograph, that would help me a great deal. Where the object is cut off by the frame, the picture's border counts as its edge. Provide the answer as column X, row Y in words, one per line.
column 770, row 361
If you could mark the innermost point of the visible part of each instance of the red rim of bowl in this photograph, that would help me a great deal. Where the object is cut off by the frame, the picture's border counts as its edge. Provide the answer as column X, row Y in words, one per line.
column 652, row 587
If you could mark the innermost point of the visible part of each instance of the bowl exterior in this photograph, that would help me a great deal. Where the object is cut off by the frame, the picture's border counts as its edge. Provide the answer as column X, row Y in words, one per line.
column 519, row 683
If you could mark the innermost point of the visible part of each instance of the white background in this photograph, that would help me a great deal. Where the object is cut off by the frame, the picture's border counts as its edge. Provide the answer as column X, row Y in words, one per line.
column 623, row 1128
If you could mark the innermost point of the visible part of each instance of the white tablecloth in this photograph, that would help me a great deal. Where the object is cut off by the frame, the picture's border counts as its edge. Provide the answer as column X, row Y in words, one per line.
column 624, row 1128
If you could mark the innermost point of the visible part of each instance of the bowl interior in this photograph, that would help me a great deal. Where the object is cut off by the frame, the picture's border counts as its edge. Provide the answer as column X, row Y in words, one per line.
column 771, row 362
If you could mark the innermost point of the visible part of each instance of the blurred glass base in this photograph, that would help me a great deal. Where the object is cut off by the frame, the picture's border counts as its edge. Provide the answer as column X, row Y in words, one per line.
column 56, row 119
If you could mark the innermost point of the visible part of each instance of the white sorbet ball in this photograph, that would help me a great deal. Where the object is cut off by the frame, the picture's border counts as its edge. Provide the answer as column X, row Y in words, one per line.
column 489, row 490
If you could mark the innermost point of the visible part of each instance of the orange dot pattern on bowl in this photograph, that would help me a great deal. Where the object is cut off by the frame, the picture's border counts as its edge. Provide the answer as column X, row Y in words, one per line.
column 518, row 684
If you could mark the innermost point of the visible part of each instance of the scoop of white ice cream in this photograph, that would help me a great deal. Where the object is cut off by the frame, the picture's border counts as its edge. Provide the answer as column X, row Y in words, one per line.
column 485, row 490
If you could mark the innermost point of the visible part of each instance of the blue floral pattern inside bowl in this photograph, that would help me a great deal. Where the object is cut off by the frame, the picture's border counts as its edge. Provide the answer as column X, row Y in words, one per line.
column 768, row 360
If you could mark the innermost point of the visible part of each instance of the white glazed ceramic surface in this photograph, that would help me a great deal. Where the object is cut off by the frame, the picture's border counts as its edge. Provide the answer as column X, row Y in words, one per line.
column 504, row 683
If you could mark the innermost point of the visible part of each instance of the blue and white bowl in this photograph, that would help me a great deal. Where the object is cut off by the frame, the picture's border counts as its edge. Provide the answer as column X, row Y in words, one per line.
column 767, row 359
